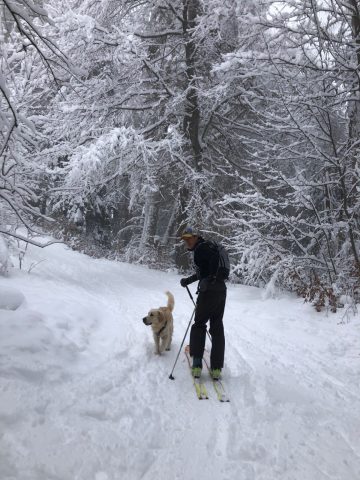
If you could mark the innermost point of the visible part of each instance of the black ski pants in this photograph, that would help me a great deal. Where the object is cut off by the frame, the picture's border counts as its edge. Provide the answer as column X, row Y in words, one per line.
column 210, row 305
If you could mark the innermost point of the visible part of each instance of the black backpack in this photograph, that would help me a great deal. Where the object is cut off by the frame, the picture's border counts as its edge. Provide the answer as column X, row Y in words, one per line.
column 223, row 270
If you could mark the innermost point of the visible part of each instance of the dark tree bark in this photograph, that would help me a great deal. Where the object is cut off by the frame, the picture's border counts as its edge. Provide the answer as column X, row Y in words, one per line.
column 192, row 117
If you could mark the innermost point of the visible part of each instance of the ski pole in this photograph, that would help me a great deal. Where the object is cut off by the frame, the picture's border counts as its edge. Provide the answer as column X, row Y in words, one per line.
column 208, row 334
column 187, row 288
column 182, row 343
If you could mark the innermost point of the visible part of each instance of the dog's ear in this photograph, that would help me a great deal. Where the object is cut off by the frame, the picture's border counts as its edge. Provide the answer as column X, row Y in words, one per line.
column 162, row 316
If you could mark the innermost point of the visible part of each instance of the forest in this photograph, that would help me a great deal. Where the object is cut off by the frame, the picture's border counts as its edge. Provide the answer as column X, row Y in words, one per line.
column 122, row 121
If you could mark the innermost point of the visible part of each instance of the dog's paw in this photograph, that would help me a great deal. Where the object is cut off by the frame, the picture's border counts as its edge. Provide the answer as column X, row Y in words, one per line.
column 168, row 349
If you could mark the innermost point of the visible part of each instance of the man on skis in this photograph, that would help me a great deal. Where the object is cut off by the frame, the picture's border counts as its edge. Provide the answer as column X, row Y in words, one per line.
column 210, row 304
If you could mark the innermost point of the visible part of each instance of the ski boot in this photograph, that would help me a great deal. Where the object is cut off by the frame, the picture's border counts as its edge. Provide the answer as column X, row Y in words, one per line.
column 215, row 373
column 196, row 372
column 196, row 367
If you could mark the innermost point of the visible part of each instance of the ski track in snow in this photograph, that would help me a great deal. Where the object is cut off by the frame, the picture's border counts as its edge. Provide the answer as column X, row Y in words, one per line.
column 83, row 397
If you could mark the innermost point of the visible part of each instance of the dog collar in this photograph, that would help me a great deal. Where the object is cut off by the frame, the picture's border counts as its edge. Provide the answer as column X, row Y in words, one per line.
column 162, row 329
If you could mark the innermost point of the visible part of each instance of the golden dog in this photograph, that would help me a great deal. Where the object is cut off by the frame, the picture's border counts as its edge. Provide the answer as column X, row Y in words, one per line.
column 162, row 324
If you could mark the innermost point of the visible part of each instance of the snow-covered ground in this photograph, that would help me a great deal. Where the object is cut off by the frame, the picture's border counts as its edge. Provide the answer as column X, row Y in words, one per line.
column 83, row 397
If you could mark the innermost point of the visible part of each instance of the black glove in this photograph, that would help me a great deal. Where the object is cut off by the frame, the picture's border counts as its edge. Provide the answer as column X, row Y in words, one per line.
column 184, row 282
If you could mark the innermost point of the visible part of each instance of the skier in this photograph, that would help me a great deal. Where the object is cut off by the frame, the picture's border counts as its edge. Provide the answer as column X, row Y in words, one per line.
column 210, row 304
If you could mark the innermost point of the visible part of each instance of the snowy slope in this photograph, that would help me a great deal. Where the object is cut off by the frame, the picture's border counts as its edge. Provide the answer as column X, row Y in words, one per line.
column 83, row 397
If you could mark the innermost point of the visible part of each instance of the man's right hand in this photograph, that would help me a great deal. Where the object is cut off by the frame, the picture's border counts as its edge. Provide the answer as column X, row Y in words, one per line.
column 184, row 282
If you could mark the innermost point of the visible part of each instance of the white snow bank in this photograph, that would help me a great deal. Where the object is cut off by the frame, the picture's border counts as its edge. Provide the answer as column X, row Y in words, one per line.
column 29, row 349
column 10, row 298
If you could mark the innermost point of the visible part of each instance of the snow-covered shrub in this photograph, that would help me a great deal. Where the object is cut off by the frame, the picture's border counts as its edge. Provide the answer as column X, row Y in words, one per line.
column 10, row 298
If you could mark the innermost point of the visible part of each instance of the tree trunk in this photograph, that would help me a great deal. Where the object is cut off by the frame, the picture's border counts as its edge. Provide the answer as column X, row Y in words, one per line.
column 151, row 210
column 181, row 256
column 191, row 122
column 354, row 132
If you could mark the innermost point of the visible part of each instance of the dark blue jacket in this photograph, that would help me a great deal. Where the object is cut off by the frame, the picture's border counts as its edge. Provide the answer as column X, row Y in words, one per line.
column 206, row 260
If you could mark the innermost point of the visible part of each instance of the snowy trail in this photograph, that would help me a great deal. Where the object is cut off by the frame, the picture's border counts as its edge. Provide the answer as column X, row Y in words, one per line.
column 83, row 397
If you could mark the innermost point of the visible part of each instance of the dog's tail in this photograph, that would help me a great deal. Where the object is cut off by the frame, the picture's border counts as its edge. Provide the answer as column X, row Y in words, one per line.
column 171, row 301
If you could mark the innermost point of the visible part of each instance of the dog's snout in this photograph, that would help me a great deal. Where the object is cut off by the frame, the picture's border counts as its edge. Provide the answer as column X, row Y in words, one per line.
column 144, row 320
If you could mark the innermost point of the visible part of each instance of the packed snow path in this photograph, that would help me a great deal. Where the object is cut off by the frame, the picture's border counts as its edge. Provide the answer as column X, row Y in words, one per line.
column 83, row 397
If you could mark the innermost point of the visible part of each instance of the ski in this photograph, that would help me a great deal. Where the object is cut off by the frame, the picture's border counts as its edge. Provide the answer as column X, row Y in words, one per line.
column 218, row 384
column 200, row 388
